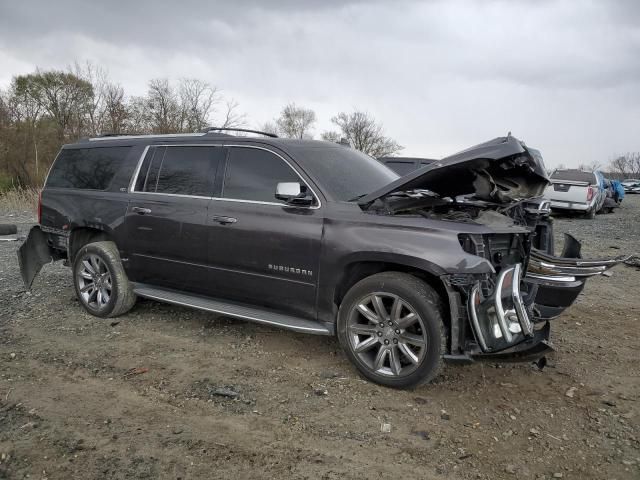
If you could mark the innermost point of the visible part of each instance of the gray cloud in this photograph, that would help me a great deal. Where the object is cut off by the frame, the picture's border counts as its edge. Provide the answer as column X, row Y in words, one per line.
column 440, row 75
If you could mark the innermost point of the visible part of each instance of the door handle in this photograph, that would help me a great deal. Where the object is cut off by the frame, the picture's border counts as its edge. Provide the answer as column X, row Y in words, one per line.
column 222, row 220
column 141, row 210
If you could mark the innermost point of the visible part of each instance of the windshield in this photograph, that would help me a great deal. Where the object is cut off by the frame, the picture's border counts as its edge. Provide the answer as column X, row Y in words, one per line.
column 343, row 173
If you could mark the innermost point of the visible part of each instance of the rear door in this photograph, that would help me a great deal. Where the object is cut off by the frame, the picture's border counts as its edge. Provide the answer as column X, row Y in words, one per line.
column 262, row 251
column 166, row 220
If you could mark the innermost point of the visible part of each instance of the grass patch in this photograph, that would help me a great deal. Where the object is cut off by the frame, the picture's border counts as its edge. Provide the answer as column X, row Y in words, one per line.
column 6, row 183
column 19, row 199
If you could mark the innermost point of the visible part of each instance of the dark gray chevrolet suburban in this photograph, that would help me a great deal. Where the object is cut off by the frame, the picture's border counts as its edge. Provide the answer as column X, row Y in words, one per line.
column 452, row 262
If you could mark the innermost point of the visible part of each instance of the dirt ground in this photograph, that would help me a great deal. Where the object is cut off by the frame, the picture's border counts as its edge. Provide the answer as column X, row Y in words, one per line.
column 220, row 398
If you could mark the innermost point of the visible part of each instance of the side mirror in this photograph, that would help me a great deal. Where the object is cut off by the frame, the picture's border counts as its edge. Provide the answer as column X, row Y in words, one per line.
column 292, row 193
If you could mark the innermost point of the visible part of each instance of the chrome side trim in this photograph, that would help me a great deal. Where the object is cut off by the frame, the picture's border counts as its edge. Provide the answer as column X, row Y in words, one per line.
column 238, row 200
column 171, row 195
column 134, row 179
column 46, row 178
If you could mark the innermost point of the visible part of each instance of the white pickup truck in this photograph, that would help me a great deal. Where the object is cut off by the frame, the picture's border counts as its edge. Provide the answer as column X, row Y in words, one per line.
column 576, row 190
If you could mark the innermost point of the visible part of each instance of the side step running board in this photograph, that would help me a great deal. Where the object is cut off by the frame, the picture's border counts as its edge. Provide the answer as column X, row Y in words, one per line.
column 237, row 310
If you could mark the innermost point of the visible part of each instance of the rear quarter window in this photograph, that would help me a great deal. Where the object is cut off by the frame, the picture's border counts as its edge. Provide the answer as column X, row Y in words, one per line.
column 87, row 168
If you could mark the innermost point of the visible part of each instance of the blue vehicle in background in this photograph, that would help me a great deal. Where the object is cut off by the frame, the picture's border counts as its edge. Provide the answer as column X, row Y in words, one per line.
column 615, row 193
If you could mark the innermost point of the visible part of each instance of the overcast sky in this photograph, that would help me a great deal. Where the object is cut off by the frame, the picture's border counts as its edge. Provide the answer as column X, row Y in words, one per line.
column 440, row 75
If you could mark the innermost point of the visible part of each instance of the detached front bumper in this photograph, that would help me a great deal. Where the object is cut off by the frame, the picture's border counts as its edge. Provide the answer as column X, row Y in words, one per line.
column 34, row 253
column 557, row 281
column 506, row 321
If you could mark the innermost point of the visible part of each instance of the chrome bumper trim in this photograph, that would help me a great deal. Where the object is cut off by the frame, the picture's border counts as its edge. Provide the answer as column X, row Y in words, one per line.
column 503, row 316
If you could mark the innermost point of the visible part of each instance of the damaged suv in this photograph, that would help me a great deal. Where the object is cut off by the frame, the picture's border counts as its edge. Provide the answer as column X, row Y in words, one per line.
column 452, row 262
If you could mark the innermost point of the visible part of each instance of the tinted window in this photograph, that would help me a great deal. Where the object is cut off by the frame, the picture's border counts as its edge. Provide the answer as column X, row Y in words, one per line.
column 180, row 170
column 252, row 174
column 342, row 172
column 401, row 168
column 86, row 168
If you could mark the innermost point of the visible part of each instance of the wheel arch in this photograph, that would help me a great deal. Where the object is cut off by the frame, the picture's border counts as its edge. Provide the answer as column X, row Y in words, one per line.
column 359, row 268
column 82, row 236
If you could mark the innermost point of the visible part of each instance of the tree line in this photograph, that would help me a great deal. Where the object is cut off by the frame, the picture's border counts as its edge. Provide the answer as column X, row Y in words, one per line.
column 41, row 111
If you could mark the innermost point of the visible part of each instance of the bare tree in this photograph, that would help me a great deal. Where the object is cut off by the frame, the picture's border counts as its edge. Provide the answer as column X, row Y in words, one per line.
column 232, row 118
column 296, row 122
column 94, row 112
column 364, row 134
column 269, row 127
column 164, row 110
column 590, row 167
column 63, row 96
column 627, row 165
column 115, row 109
column 42, row 110
column 138, row 116
column 331, row 137
column 197, row 99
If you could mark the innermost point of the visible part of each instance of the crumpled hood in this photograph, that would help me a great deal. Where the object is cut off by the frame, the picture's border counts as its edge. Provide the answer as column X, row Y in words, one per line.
column 502, row 170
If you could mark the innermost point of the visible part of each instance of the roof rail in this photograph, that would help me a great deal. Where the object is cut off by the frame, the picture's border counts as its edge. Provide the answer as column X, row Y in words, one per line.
column 245, row 130
column 111, row 134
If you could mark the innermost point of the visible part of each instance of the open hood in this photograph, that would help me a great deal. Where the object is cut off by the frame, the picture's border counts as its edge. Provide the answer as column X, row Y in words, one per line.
column 502, row 170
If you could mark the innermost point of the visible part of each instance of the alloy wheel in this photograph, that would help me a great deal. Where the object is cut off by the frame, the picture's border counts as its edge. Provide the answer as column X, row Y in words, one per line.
column 386, row 334
column 94, row 282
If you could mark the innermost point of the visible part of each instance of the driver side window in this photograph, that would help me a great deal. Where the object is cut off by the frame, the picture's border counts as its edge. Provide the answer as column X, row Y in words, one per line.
column 252, row 174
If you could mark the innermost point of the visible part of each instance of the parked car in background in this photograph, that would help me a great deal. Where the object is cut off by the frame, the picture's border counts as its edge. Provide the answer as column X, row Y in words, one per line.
column 577, row 191
column 631, row 185
column 404, row 165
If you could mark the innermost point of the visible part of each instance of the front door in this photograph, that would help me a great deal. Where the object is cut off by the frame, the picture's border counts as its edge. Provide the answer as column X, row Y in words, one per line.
column 166, row 220
column 260, row 250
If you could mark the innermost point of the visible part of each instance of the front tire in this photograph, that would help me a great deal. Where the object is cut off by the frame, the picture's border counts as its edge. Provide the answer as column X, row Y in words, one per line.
column 390, row 326
column 101, row 284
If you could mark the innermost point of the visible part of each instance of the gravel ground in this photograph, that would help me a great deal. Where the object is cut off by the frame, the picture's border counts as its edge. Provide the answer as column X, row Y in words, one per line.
column 167, row 392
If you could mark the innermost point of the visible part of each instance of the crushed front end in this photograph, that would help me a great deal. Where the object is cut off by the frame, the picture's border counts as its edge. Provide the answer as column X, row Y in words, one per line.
column 505, row 316
column 495, row 312
column 503, row 313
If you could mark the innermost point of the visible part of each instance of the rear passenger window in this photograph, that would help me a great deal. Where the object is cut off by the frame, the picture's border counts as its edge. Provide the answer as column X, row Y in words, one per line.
column 86, row 168
column 252, row 174
column 179, row 170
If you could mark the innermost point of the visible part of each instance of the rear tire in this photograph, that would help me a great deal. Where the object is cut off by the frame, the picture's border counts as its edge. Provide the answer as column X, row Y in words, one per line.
column 390, row 326
column 101, row 284
column 591, row 214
